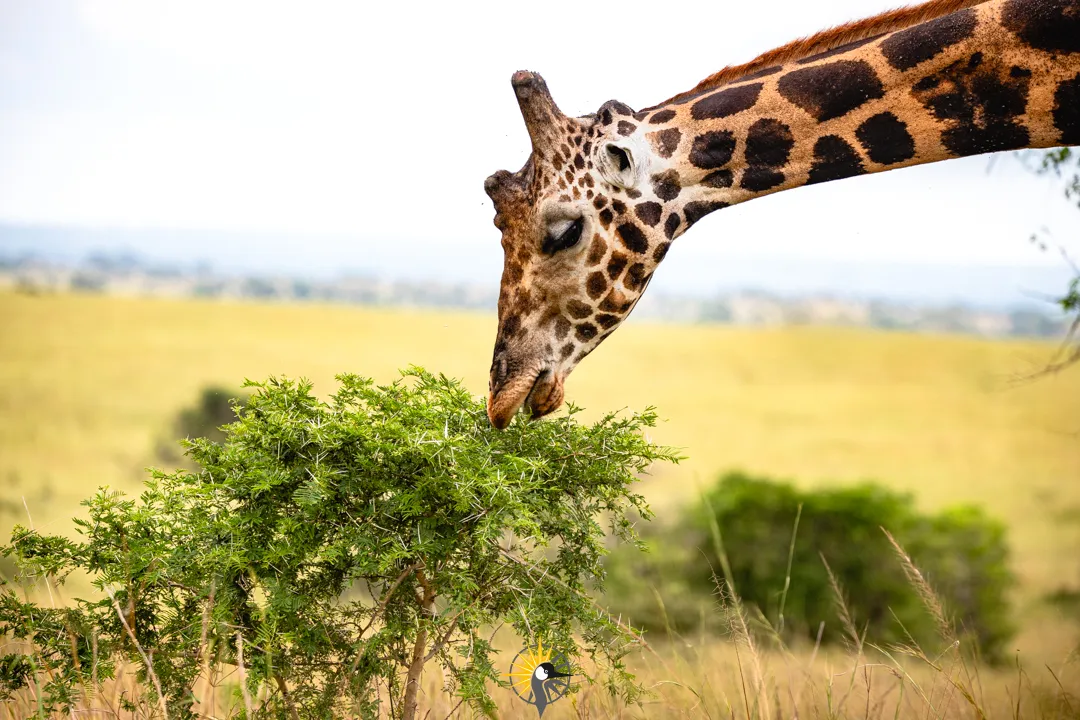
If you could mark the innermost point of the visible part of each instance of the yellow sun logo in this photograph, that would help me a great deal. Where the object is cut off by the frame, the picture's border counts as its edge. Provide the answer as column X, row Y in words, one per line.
column 539, row 676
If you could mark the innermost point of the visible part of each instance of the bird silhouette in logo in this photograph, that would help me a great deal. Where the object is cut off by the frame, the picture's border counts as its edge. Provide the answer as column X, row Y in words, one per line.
column 540, row 676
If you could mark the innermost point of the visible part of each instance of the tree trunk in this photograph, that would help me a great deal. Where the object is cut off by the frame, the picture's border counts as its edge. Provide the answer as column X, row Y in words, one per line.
column 416, row 667
column 412, row 684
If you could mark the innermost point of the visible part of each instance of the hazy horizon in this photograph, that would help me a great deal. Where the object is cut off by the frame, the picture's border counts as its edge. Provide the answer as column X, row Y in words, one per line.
column 328, row 256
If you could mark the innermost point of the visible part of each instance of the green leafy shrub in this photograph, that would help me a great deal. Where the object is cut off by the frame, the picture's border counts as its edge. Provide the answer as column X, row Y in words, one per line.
column 962, row 553
column 343, row 545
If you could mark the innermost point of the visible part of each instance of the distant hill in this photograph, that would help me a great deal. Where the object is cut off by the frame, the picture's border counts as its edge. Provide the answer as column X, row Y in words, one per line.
column 325, row 257
column 126, row 273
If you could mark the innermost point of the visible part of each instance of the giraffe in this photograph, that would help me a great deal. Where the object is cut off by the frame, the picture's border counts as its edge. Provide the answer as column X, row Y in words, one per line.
column 593, row 212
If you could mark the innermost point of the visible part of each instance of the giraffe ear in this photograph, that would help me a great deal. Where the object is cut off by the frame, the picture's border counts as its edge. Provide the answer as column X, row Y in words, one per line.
column 618, row 165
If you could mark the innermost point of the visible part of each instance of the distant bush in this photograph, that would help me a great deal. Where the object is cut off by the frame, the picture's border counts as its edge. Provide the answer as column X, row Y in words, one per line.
column 962, row 553
column 87, row 282
column 215, row 408
column 329, row 550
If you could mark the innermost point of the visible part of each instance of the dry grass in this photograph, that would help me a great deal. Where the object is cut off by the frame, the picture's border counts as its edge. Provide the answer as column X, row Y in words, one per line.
column 686, row 678
column 698, row 682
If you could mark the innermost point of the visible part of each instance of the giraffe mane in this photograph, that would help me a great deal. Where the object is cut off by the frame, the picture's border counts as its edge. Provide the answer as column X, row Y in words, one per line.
column 826, row 40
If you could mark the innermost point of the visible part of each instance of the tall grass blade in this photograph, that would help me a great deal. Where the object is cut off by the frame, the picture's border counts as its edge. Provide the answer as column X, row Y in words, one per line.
column 787, row 574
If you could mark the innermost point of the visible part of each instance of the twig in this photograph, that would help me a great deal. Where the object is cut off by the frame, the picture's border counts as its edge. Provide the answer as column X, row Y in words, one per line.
column 445, row 636
column 243, row 674
column 628, row 630
column 48, row 585
column 381, row 607
column 201, row 653
column 285, row 696
column 145, row 658
column 454, row 709
column 386, row 596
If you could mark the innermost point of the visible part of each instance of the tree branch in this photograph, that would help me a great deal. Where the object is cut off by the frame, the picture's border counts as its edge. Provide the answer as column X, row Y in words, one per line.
column 380, row 608
column 441, row 643
column 416, row 666
column 625, row 628
column 285, row 696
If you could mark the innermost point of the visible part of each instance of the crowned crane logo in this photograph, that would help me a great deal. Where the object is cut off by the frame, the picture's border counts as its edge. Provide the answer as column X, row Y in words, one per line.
column 539, row 676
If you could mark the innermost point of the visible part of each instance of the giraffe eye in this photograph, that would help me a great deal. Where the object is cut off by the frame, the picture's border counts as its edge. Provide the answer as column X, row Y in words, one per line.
column 562, row 235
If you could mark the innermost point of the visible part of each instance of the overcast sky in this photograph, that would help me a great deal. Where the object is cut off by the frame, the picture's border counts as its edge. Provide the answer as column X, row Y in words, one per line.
column 379, row 121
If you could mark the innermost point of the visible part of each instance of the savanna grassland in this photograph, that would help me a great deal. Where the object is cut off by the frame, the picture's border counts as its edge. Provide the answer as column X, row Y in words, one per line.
column 89, row 384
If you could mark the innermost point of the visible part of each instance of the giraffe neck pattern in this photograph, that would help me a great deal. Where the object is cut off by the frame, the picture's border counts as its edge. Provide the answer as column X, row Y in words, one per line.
column 995, row 76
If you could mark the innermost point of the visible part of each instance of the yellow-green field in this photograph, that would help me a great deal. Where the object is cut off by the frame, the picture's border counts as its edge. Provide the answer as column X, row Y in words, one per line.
column 88, row 383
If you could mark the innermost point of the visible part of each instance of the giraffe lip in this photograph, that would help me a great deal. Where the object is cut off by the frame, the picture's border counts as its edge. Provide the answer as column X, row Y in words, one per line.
column 530, row 399
column 540, row 392
column 515, row 392
column 546, row 394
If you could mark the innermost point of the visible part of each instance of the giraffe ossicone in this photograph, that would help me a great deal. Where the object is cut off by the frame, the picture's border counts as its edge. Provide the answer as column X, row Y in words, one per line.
column 601, row 198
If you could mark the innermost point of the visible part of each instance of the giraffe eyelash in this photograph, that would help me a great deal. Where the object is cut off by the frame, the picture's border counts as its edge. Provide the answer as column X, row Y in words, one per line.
column 563, row 235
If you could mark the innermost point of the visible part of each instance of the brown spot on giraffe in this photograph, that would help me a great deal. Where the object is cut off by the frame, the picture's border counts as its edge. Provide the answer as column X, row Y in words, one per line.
column 722, row 178
column 666, row 141
column 1052, row 25
column 1066, row 111
column 666, row 185
column 578, row 310
column 649, row 213
column 831, row 90
column 907, row 48
column 712, row 149
column 597, row 249
column 616, row 264
column 834, row 159
column 723, row 103
column 980, row 103
column 632, row 237
column 886, row 139
column 768, row 147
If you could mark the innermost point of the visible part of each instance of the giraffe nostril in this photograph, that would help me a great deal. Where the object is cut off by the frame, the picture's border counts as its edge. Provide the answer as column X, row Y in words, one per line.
column 499, row 369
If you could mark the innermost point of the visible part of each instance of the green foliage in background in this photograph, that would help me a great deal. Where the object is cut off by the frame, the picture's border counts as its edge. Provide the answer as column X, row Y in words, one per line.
column 1064, row 163
column 342, row 545
column 206, row 418
column 962, row 552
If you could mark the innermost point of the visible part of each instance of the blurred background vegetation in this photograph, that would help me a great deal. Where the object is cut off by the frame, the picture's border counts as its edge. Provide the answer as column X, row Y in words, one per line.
column 790, row 550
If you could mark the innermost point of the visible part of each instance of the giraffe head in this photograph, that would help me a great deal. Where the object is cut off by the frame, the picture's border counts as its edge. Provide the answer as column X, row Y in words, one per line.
column 581, row 233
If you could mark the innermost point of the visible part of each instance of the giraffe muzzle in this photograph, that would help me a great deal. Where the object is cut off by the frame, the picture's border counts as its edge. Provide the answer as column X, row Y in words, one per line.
column 541, row 392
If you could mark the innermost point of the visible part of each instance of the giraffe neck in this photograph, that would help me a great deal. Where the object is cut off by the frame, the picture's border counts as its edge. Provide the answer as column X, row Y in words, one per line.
column 1000, row 75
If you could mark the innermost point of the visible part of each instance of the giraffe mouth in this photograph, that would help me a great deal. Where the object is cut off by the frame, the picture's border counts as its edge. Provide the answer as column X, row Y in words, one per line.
column 546, row 394
column 541, row 393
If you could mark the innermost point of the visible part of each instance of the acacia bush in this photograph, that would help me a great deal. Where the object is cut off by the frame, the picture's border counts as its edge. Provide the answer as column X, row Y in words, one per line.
column 961, row 551
column 341, row 546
